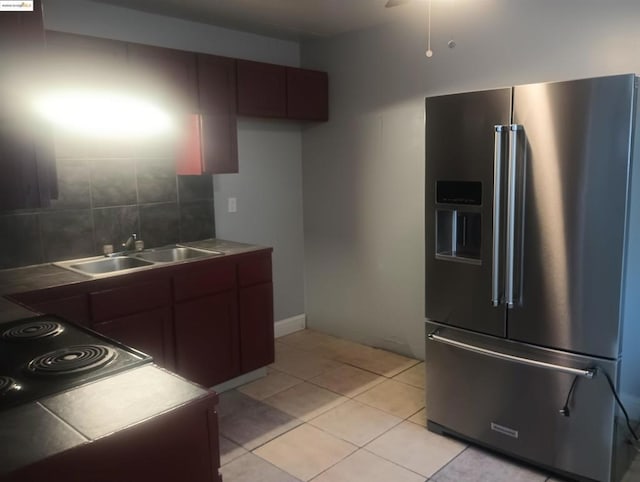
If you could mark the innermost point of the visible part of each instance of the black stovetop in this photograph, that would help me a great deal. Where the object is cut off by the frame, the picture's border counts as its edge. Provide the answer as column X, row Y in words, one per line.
column 44, row 355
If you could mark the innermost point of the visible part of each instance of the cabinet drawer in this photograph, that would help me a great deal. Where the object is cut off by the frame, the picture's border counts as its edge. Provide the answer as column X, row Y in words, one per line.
column 73, row 308
column 193, row 282
column 116, row 302
column 149, row 332
column 254, row 269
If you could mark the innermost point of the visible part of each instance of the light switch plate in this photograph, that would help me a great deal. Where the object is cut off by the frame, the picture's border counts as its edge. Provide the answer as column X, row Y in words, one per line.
column 232, row 205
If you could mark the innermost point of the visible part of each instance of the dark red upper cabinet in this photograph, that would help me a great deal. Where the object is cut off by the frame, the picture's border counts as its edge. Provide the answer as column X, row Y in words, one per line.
column 168, row 74
column 23, row 30
column 27, row 168
column 262, row 89
column 307, row 95
column 276, row 91
column 217, row 90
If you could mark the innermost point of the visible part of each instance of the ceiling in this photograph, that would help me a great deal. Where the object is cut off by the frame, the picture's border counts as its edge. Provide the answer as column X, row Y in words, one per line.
column 287, row 19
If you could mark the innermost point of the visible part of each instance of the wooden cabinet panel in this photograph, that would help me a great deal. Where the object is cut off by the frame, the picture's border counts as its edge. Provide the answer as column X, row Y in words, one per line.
column 212, row 140
column 202, row 279
column 262, row 89
column 206, row 338
column 22, row 31
column 307, row 95
column 27, row 168
column 254, row 269
column 128, row 299
column 150, row 332
column 73, row 308
column 170, row 74
column 180, row 444
column 256, row 327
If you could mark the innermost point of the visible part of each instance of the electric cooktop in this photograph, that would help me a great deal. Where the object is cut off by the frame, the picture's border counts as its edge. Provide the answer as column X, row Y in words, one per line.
column 45, row 355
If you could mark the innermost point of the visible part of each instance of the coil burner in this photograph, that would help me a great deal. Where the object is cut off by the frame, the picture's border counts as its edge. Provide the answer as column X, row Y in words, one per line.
column 7, row 384
column 33, row 330
column 72, row 360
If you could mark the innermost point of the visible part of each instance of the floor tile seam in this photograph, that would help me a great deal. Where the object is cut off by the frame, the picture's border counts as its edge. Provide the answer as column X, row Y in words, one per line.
column 407, row 383
column 234, row 443
column 342, row 394
column 382, row 434
column 450, row 461
column 356, row 448
column 386, row 411
column 324, row 411
column 416, row 413
column 349, row 441
column 396, row 463
column 250, row 450
column 367, row 370
column 336, row 463
column 300, row 380
column 273, row 465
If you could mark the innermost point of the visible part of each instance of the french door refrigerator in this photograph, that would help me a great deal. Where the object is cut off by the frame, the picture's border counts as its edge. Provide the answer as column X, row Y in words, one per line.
column 533, row 273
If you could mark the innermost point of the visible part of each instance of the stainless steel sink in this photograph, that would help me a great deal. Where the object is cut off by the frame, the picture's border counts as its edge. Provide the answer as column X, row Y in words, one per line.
column 109, row 265
column 98, row 266
column 173, row 254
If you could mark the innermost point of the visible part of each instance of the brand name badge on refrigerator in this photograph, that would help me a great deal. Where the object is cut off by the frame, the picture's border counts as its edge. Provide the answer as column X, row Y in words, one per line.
column 504, row 430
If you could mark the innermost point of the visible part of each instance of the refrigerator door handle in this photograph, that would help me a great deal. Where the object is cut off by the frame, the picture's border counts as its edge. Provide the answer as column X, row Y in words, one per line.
column 511, row 212
column 587, row 373
column 497, row 189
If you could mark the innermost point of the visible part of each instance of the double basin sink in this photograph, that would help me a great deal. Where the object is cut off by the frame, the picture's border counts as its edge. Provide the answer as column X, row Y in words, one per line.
column 125, row 262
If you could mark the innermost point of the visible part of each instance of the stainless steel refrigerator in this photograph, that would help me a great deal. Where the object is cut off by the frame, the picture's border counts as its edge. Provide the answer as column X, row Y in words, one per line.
column 533, row 272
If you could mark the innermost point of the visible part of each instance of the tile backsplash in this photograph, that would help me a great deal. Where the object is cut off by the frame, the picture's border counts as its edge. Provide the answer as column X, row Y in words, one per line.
column 107, row 191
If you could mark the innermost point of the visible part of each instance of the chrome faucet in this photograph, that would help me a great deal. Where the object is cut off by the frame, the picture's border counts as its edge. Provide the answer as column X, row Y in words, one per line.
column 130, row 244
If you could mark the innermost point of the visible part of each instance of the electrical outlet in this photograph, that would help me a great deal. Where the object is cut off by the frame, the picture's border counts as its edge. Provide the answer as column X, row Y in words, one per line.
column 232, row 205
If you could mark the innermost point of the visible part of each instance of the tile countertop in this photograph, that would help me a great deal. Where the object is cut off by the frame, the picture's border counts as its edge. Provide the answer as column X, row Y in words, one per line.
column 89, row 412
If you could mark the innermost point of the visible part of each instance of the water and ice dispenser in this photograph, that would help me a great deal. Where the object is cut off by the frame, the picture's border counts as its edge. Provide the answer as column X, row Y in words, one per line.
column 459, row 221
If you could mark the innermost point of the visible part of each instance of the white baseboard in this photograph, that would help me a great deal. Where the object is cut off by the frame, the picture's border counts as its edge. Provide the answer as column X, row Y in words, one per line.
column 290, row 325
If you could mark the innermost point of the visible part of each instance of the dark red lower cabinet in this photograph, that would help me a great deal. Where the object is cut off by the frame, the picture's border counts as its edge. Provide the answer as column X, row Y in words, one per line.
column 256, row 327
column 150, row 332
column 178, row 446
column 206, row 338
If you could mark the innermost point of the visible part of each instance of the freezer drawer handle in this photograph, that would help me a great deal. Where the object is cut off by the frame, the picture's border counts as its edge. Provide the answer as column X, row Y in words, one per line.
column 497, row 182
column 588, row 373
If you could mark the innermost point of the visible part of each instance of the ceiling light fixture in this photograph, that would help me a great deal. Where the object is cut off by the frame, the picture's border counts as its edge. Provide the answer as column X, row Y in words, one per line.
column 98, row 113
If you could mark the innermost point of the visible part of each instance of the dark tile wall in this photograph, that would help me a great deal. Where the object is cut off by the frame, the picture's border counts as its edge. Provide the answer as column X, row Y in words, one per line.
column 107, row 191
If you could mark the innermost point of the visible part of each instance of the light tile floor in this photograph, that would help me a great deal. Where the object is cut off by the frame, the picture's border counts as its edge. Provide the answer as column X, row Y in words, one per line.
column 330, row 410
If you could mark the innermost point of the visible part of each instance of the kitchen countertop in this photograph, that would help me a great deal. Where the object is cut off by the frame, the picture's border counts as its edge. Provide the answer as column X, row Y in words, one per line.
column 43, row 276
column 89, row 412
column 84, row 414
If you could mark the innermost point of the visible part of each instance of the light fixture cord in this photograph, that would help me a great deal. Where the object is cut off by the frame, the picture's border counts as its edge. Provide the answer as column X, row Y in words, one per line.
column 429, row 52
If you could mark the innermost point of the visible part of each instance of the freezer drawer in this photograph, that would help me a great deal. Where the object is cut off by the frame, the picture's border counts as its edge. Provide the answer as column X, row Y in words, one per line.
column 515, row 407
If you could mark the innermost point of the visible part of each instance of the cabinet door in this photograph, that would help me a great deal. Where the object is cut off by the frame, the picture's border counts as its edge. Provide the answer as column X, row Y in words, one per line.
column 262, row 89
column 307, row 95
column 217, row 90
column 256, row 326
column 206, row 337
column 149, row 332
column 86, row 59
column 169, row 75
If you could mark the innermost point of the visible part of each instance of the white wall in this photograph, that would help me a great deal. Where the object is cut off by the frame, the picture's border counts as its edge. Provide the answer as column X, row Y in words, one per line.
column 269, row 185
column 363, row 172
